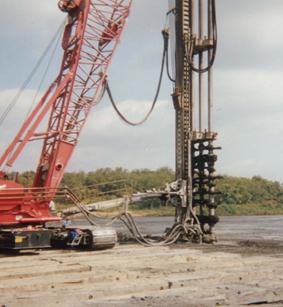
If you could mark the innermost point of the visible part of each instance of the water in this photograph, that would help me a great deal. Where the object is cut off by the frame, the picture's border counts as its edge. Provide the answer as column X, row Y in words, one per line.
column 229, row 228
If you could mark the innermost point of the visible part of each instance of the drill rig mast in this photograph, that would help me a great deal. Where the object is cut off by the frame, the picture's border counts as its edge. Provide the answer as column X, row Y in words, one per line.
column 193, row 191
column 195, row 158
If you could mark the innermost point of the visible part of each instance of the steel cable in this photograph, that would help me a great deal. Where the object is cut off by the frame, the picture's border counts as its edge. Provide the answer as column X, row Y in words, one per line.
column 45, row 72
column 30, row 76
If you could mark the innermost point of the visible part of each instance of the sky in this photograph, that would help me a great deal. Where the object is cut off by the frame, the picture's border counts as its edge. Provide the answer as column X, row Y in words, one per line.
column 248, row 95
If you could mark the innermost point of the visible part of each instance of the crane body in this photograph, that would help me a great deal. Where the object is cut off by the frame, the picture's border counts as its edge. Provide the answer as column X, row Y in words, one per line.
column 90, row 38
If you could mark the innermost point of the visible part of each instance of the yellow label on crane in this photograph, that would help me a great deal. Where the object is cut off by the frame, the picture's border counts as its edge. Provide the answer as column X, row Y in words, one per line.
column 19, row 239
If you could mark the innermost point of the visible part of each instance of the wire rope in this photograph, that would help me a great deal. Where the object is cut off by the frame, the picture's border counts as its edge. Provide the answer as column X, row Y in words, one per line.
column 14, row 101
column 45, row 72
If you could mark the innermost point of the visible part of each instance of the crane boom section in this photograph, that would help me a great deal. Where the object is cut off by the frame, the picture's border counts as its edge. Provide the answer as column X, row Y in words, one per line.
column 89, row 42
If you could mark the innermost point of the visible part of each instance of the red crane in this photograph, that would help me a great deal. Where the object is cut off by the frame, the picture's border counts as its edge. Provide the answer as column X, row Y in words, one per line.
column 90, row 38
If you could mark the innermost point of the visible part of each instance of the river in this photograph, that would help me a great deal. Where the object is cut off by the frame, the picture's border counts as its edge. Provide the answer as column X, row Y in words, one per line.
column 230, row 228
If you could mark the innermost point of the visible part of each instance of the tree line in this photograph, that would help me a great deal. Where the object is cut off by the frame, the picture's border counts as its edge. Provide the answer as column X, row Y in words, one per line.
column 108, row 182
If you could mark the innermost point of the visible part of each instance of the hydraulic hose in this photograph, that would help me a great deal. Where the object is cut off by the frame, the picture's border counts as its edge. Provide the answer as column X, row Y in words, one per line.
column 164, row 57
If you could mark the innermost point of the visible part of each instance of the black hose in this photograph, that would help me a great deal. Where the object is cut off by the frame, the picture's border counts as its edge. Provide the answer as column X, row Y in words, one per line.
column 190, row 45
column 165, row 51
column 167, row 68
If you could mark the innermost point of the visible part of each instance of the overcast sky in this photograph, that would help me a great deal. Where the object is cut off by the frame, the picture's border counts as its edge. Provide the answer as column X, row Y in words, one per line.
column 248, row 95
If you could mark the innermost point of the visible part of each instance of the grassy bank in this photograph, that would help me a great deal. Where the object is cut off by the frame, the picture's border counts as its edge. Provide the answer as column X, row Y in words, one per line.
column 251, row 209
column 222, row 210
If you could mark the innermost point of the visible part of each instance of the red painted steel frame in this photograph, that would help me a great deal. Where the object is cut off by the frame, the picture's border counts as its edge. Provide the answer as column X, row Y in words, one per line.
column 90, row 39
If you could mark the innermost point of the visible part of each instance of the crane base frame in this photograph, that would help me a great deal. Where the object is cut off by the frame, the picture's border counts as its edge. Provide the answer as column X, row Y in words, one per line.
column 62, row 238
column 18, row 239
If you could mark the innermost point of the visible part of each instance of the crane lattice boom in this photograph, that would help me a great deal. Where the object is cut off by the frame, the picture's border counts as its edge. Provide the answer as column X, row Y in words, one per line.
column 90, row 38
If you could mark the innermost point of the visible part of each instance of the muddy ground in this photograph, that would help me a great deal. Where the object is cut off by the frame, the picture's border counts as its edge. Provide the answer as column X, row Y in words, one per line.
column 245, row 267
